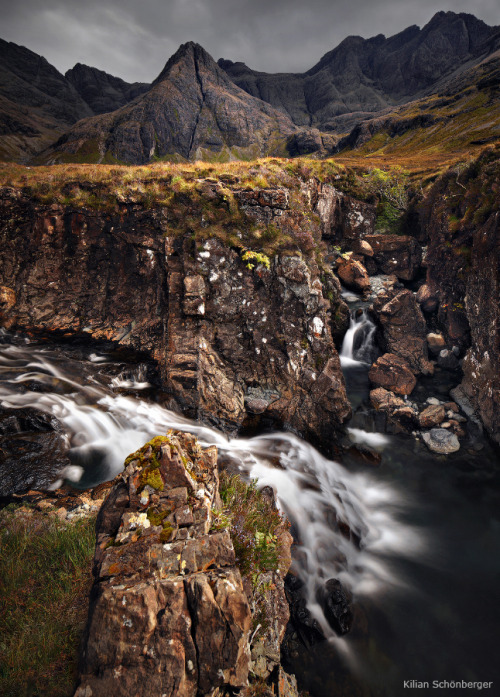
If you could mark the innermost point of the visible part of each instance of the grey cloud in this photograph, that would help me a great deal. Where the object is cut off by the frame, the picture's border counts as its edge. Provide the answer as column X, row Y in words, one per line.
column 134, row 39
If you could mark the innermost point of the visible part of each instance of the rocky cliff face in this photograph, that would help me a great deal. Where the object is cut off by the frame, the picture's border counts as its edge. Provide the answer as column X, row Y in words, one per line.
column 461, row 219
column 101, row 91
column 362, row 76
column 235, row 345
column 192, row 109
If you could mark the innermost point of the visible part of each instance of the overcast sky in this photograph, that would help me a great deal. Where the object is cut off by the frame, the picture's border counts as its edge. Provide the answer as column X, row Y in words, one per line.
column 133, row 39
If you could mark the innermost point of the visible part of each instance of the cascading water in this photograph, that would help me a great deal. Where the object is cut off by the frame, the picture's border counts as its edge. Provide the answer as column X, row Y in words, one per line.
column 357, row 347
column 317, row 495
column 416, row 540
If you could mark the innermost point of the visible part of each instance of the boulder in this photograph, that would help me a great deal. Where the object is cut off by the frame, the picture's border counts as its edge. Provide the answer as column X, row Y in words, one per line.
column 385, row 400
column 427, row 299
column 441, row 441
column 363, row 247
column 393, row 373
column 448, row 360
column 435, row 342
column 405, row 330
column 432, row 416
column 353, row 274
column 396, row 254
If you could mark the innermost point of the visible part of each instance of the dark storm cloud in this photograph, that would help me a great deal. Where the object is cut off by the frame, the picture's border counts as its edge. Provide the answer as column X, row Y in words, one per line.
column 134, row 39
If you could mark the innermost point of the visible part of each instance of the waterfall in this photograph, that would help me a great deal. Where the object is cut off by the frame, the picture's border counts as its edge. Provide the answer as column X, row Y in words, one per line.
column 357, row 347
column 319, row 496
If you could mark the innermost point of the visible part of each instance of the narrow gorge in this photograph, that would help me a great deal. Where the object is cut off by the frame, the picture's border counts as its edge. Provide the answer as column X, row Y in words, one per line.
column 269, row 320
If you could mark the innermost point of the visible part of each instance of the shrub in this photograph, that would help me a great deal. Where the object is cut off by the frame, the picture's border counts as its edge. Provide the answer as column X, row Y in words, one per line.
column 254, row 525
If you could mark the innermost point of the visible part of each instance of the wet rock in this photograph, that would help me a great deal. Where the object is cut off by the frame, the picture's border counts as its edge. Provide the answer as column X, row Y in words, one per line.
column 432, row 416
column 307, row 628
column 448, row 360
column 169, row 614
column 403, row 419
column 435, row 342
column 353, row 274
column 405, row 330
column 439, row 440
column 385, row 400
column 335, row 604
column 396, row 254
column 393, row 373
column 433, row 400
column 427, row 298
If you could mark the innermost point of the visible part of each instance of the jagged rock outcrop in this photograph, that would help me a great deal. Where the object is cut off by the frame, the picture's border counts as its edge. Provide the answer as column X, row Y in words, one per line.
column 168, row 611
column 192, row 110
column 101, row 91
column 234, row 344
column 363, row 76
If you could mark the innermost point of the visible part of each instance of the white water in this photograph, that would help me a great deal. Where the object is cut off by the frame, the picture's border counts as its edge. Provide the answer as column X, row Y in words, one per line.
column 313, row 491
column 358, row 341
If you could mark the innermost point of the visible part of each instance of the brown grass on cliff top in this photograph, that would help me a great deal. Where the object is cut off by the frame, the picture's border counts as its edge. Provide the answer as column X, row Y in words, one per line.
column 152, row 183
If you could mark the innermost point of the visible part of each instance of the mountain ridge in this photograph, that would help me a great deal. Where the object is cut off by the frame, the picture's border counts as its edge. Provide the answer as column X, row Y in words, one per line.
column 199, row 108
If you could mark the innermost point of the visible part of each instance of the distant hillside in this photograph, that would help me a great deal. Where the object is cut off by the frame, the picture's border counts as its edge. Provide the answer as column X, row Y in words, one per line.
column 36, row 102
column 463, row 114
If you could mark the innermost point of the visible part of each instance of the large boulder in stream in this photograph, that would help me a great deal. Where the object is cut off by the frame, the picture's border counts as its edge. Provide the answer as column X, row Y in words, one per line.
column 396, row 254
column 169, row 615
column 392, row 373
column 404, row 329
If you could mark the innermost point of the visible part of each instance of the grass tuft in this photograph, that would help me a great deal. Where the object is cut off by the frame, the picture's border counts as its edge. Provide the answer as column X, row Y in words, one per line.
column 45, row 578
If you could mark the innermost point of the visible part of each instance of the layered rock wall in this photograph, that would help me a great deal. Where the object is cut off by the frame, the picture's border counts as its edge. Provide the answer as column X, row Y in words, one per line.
column 235, row 341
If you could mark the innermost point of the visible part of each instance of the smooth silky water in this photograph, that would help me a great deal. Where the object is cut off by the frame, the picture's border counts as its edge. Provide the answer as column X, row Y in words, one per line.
column 425, row 574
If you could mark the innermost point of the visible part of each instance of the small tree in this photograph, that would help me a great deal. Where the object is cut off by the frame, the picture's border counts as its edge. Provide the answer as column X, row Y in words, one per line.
column 391, row 186
column 392, row 190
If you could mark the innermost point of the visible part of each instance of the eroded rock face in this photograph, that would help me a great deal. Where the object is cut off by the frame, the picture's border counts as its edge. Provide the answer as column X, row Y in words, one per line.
column 169, row 614
column 224, row 335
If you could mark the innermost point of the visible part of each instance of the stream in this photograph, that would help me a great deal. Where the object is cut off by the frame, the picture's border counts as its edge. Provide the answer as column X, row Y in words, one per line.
column 422, row 560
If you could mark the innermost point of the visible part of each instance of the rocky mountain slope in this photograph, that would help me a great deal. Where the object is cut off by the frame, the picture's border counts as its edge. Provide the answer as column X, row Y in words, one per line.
column 192, row 110
column 196, row 109
column 464, row 113
column 101, row 91
column 37, row 103
column 363, row 76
